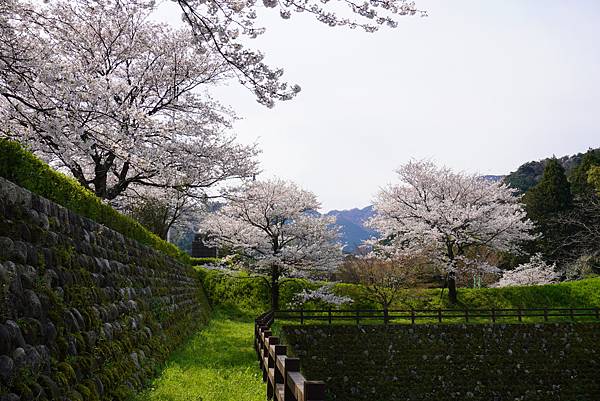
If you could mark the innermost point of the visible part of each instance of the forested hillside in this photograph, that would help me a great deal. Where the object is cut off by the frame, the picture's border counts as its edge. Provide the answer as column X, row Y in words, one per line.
column 530, row 173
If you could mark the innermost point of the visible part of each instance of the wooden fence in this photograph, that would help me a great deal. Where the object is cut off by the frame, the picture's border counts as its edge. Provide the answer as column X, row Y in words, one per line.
column 282, row 373
column 437, row 315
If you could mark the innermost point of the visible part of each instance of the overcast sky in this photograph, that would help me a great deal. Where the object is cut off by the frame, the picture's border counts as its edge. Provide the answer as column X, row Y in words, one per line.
column 480, row 86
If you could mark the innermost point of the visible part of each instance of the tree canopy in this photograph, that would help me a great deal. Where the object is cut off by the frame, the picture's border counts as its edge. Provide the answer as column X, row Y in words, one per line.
column 442, row 213
column 118, row 100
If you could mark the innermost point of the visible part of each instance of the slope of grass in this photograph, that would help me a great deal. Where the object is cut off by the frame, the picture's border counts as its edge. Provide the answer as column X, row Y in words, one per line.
column 582, row 293
column 216, row 364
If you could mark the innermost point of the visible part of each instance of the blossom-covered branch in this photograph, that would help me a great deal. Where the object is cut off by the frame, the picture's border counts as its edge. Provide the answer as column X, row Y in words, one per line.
column 221, row 25
column 322, row 295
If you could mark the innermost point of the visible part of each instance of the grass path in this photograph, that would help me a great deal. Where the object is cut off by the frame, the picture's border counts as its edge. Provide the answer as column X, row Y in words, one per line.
column 216, row 364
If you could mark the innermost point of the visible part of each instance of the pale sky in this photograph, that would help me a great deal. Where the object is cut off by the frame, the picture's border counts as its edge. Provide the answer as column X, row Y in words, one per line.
column 480, row 86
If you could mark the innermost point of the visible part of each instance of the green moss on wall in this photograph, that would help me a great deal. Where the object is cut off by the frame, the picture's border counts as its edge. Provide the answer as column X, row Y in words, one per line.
column 452, row 362
column 86, row 313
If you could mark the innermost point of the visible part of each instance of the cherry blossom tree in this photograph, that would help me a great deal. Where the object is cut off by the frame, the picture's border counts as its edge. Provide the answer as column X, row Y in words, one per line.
column 442, row 213
column 118, row 100
column 274, row 225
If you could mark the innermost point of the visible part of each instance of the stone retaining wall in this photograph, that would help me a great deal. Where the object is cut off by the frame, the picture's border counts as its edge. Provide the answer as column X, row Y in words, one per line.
column 516, row 362
column 85, row 313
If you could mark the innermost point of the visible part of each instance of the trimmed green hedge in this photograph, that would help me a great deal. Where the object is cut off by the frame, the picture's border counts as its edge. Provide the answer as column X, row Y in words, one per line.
column 202, row 261
column 26, row 170
column 246, row 292
column 252, row 293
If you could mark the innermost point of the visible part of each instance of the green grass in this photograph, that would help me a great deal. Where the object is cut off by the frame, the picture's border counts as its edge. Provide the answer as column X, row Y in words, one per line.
column 216, row 364
column 573, row 294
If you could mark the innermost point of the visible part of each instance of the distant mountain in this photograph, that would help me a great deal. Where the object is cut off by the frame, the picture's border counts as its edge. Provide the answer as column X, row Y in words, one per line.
column 493, row 178
column 353, row 230
column 530, row 173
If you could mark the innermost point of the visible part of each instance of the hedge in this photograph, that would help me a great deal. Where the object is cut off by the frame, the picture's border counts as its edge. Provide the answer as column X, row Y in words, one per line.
column 26, row 170
column 251, row 292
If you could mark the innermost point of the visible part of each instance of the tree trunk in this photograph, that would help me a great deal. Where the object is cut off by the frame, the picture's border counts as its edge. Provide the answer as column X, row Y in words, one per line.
column 451, row 273
column 274, row 288
column 452, row 295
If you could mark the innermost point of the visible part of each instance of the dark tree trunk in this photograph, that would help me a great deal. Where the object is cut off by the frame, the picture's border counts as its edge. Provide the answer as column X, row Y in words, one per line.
column 274, row 288
column 452, row 295
column 451, row 273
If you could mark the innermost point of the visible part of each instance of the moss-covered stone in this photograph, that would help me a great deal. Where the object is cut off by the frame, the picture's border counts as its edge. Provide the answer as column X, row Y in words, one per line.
column 92, row 298
column 533, row 362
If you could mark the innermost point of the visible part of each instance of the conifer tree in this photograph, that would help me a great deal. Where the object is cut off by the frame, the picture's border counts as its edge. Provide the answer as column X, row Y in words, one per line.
column 544, row 203
column 551, row 195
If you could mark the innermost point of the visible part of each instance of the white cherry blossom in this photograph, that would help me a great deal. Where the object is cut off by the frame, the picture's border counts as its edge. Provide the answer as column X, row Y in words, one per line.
column 115, row 99
column 442, row 213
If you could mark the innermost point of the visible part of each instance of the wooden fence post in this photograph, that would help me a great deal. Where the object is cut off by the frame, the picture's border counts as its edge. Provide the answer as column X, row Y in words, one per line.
column 278, row 379
column 314, row 391
column 302, row 315
column 545, row 314
column 270, row 365
column 466, row 315
column 329, row 314
column 412, row 316
column 289, row 365
column 265, row 352
column 520, row 313
column 439, row 315
column 493, row 315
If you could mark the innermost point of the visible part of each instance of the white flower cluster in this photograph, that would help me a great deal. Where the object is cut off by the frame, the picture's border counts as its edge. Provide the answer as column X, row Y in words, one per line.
column 220, row 267
column 534, row 272
column 323, row 295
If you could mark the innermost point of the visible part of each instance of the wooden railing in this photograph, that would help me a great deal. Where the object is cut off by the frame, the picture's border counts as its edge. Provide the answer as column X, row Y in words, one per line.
column 436, row 315
column 280, row 372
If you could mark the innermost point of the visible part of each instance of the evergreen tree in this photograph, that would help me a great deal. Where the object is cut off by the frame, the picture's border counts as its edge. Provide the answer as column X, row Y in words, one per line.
column 551, row 195
column 544, row 203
